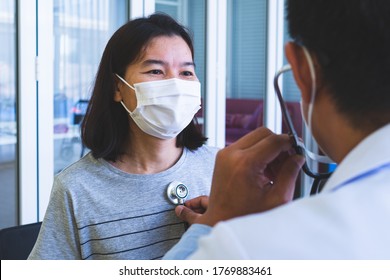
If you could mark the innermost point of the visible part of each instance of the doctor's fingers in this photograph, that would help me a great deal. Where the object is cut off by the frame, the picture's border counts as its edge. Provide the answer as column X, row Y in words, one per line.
column 251, row 138
column 259, row 155
column 198, row 204
column 283, row 186
column 186, row 214
column 268, row 149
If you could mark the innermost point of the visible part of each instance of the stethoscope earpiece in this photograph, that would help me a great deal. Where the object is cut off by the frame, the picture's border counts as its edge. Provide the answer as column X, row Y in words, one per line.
column 177, row 192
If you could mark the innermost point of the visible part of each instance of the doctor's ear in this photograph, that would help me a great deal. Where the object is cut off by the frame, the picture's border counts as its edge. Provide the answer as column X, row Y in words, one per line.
column 300, row 68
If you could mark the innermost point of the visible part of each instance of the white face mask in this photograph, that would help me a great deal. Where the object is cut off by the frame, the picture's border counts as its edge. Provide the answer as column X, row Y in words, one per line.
column 164, row 107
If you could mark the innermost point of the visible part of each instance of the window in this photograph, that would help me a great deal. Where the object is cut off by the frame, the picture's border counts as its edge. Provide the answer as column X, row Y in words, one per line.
column 8, row 116
column 81, row 31
column 246, row 66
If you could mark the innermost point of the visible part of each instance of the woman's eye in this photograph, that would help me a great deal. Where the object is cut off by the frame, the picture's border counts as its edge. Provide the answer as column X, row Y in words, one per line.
column 187, row 73
column 155, row 72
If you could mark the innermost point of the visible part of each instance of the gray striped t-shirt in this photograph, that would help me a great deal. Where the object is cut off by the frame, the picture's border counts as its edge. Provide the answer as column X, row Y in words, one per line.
column 97, row 211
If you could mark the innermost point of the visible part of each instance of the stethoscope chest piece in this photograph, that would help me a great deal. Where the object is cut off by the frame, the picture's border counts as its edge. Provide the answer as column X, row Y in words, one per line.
column 177, row 192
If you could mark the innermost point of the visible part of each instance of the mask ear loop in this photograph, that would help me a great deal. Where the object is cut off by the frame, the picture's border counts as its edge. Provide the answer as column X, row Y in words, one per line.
column 297, row 143
column 319, row 158
column 317, row 181
column 124, row 81
column 313, row 85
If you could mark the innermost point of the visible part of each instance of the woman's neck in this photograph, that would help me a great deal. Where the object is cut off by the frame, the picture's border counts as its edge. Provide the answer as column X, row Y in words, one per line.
column 148, row 155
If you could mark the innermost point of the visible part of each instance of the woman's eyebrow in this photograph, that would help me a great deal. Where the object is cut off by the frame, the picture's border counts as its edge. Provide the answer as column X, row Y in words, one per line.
column 189, row 64
column 148, row 62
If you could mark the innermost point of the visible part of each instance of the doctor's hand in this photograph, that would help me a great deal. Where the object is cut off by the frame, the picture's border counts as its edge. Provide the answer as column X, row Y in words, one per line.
column 252, row 175
column 192, row 209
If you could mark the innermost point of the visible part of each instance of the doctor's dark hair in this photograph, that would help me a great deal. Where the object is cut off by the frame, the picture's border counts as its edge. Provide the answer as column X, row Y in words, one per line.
column 351, row 40
column 105, row 127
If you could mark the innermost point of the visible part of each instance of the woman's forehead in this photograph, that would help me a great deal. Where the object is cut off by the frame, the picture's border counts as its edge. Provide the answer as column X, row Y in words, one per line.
column 163, row 45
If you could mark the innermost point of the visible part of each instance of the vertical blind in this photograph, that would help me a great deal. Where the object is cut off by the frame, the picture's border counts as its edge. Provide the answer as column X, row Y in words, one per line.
column 246, row 62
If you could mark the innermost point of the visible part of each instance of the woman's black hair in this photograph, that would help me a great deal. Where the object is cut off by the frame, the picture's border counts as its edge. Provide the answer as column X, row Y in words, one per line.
column 351, row 39
column 105, row 127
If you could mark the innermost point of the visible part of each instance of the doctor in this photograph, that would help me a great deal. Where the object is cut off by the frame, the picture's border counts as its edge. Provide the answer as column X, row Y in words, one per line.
column 340, row 59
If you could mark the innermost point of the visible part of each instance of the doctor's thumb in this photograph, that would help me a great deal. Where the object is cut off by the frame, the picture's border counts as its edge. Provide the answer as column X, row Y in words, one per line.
column 186, row 214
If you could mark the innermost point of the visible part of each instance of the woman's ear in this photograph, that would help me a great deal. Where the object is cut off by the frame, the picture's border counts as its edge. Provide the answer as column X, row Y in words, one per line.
column 117, row 93
column 300, row 68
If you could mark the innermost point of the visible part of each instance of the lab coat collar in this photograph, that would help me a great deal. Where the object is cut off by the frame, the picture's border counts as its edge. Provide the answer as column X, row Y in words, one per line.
column 370, row 154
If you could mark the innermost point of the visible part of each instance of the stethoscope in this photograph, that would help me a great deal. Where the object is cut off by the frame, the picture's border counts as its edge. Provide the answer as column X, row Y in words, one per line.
column 177, row 192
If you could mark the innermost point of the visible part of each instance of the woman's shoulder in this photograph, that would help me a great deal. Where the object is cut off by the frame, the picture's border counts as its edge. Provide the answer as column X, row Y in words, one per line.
column 206, row 151
column 79, row 169
column 204, row 155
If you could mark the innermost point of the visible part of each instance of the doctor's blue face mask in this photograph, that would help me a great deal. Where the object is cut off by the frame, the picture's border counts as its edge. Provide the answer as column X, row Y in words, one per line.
column 297, row 142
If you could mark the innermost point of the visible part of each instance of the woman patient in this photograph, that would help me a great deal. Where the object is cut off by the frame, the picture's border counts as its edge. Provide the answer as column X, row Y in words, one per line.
column 140, row 129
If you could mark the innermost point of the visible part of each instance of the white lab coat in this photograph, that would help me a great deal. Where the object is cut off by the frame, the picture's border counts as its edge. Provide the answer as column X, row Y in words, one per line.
column 349, row 219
